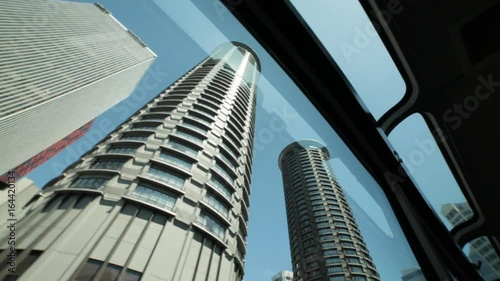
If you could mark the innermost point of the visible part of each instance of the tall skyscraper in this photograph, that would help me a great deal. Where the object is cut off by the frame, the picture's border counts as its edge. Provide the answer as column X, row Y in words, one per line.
column 283, row 276
column 325, row 241
column 61, row 65
column 481, row 251
column 42, row 157
column 163, row 197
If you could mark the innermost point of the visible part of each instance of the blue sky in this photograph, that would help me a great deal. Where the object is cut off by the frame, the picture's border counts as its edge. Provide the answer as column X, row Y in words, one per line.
column 183, row 33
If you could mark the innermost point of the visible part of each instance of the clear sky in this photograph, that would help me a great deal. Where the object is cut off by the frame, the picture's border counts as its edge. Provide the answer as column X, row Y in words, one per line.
column 182, row 33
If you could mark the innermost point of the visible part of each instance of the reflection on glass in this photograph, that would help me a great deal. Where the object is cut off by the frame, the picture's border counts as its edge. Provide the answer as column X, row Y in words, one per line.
column 457, row 213
column 175, row 160
column 412, row 274
column 165, row 176
column 481, row 252
column 212, row 225
column 90, row 182
column 349, row 36
column 247, row 71
column 155, row 197
column 283, row 115
column 420, row 154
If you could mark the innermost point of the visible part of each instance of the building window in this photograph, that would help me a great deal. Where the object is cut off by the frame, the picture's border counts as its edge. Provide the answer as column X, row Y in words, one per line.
column 319, row 213
column 322, row 224
column 336, row 212
column 193, row 138
column 24, row 264
column 347, row 244
column 342, row 229
column 324, row 231
column 322, row 218
column 325, row 237
column 354, row 260
column 200, row 117
column 182, row 147
column 154, row 197
column 345, row 236
column 132, row 275
column 307, row 236
column 319, row 207
column 314, row 273
column 175, row 160
column 311, row 265
column 123, row 150
column 304, row 223
column 227, row 159
column 328, row 245
column 356, row 268
column 332, row 260
column 221, row 169
column 221, row 187
column 89, row 270
column 314, row 197
column 337, row 278
column 155, row 117
column 195, row 127
column 310, row 249
column 334, row 269
column 215, row 203
column 359, row 278
column 110, row 164
column 110, row 272
column 308, row 242
column 165, row 176
column 338, row 217
column 327, row 253
column 316, row 202
column 350, row 252
column 212, row 225
column 134, row 137
column 144, row 127
column 91, row 182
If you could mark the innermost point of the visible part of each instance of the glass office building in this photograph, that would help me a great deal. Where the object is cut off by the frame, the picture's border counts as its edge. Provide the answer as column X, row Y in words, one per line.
column 325, row 241
column 164, row 197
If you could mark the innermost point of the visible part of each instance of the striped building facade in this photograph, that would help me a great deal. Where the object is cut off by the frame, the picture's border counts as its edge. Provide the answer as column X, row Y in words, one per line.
column 42, row 157
column 61, row 65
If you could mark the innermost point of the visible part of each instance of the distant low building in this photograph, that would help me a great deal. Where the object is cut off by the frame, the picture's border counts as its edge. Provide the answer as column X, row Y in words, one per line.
column 413, row 274
column 283, row 276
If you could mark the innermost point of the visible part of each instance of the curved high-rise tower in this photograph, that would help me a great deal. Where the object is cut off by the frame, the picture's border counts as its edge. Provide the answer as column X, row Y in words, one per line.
column 163, row 197
column 325, row 241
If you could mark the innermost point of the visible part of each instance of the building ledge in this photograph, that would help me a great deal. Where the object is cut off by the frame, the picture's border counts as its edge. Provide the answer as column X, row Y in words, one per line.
column 152, row 206
column 216, row 239
column 215, row 212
